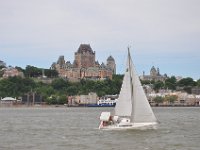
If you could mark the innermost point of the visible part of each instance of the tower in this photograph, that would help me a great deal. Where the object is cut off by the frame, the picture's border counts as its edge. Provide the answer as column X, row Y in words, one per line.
column 61, row 61
column 84, row 57
column 111, row 64
column 153, row 72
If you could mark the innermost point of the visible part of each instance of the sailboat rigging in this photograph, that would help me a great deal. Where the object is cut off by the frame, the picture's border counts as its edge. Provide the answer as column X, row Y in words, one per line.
column 132, row 109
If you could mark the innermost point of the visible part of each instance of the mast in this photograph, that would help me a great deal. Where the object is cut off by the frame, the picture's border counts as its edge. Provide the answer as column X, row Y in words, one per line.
column 131, row 85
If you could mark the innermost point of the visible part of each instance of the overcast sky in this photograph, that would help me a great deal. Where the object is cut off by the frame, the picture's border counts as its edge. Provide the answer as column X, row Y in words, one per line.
column 163, row 33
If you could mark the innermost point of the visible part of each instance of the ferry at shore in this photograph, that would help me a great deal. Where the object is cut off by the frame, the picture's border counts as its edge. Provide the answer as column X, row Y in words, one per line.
column 102, row 103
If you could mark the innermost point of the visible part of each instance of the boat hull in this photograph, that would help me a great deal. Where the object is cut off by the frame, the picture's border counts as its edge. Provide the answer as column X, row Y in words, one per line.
column 101, row 105
column 146, row 125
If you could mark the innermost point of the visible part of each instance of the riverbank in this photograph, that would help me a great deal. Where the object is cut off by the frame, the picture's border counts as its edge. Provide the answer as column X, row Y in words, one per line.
column 65, row 106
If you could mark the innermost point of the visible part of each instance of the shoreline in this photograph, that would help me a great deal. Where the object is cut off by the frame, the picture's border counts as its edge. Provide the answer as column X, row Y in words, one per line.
column 66, row 106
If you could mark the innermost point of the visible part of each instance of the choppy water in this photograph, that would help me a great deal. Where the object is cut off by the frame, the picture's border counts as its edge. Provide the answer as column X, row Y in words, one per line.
column 77, row 129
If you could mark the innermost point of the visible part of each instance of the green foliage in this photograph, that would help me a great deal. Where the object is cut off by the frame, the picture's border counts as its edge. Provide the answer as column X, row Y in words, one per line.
column 186, row 82
column 51, row 73
column 158, row 99
column 198, row 83
column 62, row 99
column 44, row 90
column 15, row 86
column 20, row 69
column 54, row 99
column 72, row 90
column 32, row 71
column 56, row 92
column 158, row 85
column 59, row 84
column 171, row 98
column 170, row 83
column 145, row 82
column 1, row 73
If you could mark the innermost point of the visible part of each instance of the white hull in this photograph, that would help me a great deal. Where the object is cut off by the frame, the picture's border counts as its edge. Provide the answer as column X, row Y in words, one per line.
column 147, row 125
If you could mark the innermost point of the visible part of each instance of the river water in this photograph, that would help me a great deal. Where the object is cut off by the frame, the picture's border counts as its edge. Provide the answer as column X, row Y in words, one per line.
column 77, row 129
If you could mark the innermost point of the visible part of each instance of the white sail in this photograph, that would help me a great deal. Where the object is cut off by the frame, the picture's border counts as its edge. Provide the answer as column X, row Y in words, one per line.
column 124, row 104
column 132, row 100
column 142, row 111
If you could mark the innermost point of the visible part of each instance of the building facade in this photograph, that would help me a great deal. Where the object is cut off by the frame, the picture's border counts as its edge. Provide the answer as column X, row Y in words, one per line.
column 154, row 75
column 84, row 66
column 11, row 72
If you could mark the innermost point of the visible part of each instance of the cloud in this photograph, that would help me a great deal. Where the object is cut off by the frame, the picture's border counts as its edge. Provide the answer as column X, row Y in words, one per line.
column 53, row 28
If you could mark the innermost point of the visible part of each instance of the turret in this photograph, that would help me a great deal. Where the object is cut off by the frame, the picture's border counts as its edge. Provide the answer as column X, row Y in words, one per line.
column 111, row 64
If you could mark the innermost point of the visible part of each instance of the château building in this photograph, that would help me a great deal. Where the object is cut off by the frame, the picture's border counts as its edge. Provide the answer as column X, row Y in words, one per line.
column 84, row 66
column 154, row 75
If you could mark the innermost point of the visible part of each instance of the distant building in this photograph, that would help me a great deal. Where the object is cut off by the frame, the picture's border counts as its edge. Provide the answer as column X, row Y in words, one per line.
column 183, row 98
column 91, row 98
column 11, row 72
column 84, row 66
column 154, row 75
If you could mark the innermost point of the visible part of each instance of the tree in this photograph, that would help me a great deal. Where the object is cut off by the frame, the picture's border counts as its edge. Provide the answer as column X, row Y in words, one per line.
column 52, row 100
column 158, row 99
column 158, row 85
column 51, row 73
column 59, row 84
column 45, row 90
column 145, row 82
column 62, row 99
column 171, row 98
column 1, row 73
column 19, row 69
column 198, row 83
column 15, row 86
column 72, row 90
column 32, row 71
column 186, row 82
column 170, row 83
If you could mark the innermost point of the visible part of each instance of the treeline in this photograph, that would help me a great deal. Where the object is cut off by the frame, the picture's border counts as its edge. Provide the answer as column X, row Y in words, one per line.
column 185, row 84
column 59, row 89
column 31, row 71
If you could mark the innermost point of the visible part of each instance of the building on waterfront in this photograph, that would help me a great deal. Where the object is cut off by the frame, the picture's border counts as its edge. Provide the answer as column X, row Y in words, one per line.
column 84, row 66
column 81, row 100
column 183, row 98
column 154, row 75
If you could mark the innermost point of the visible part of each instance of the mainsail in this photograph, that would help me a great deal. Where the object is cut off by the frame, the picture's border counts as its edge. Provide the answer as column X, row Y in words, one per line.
column 124, row 104
column 132, row 100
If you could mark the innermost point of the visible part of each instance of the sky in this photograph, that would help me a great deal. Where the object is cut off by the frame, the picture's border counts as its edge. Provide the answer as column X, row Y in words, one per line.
column 161, row 33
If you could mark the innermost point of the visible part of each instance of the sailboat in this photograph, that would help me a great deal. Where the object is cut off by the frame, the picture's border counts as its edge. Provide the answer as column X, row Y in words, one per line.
column 132, row 109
